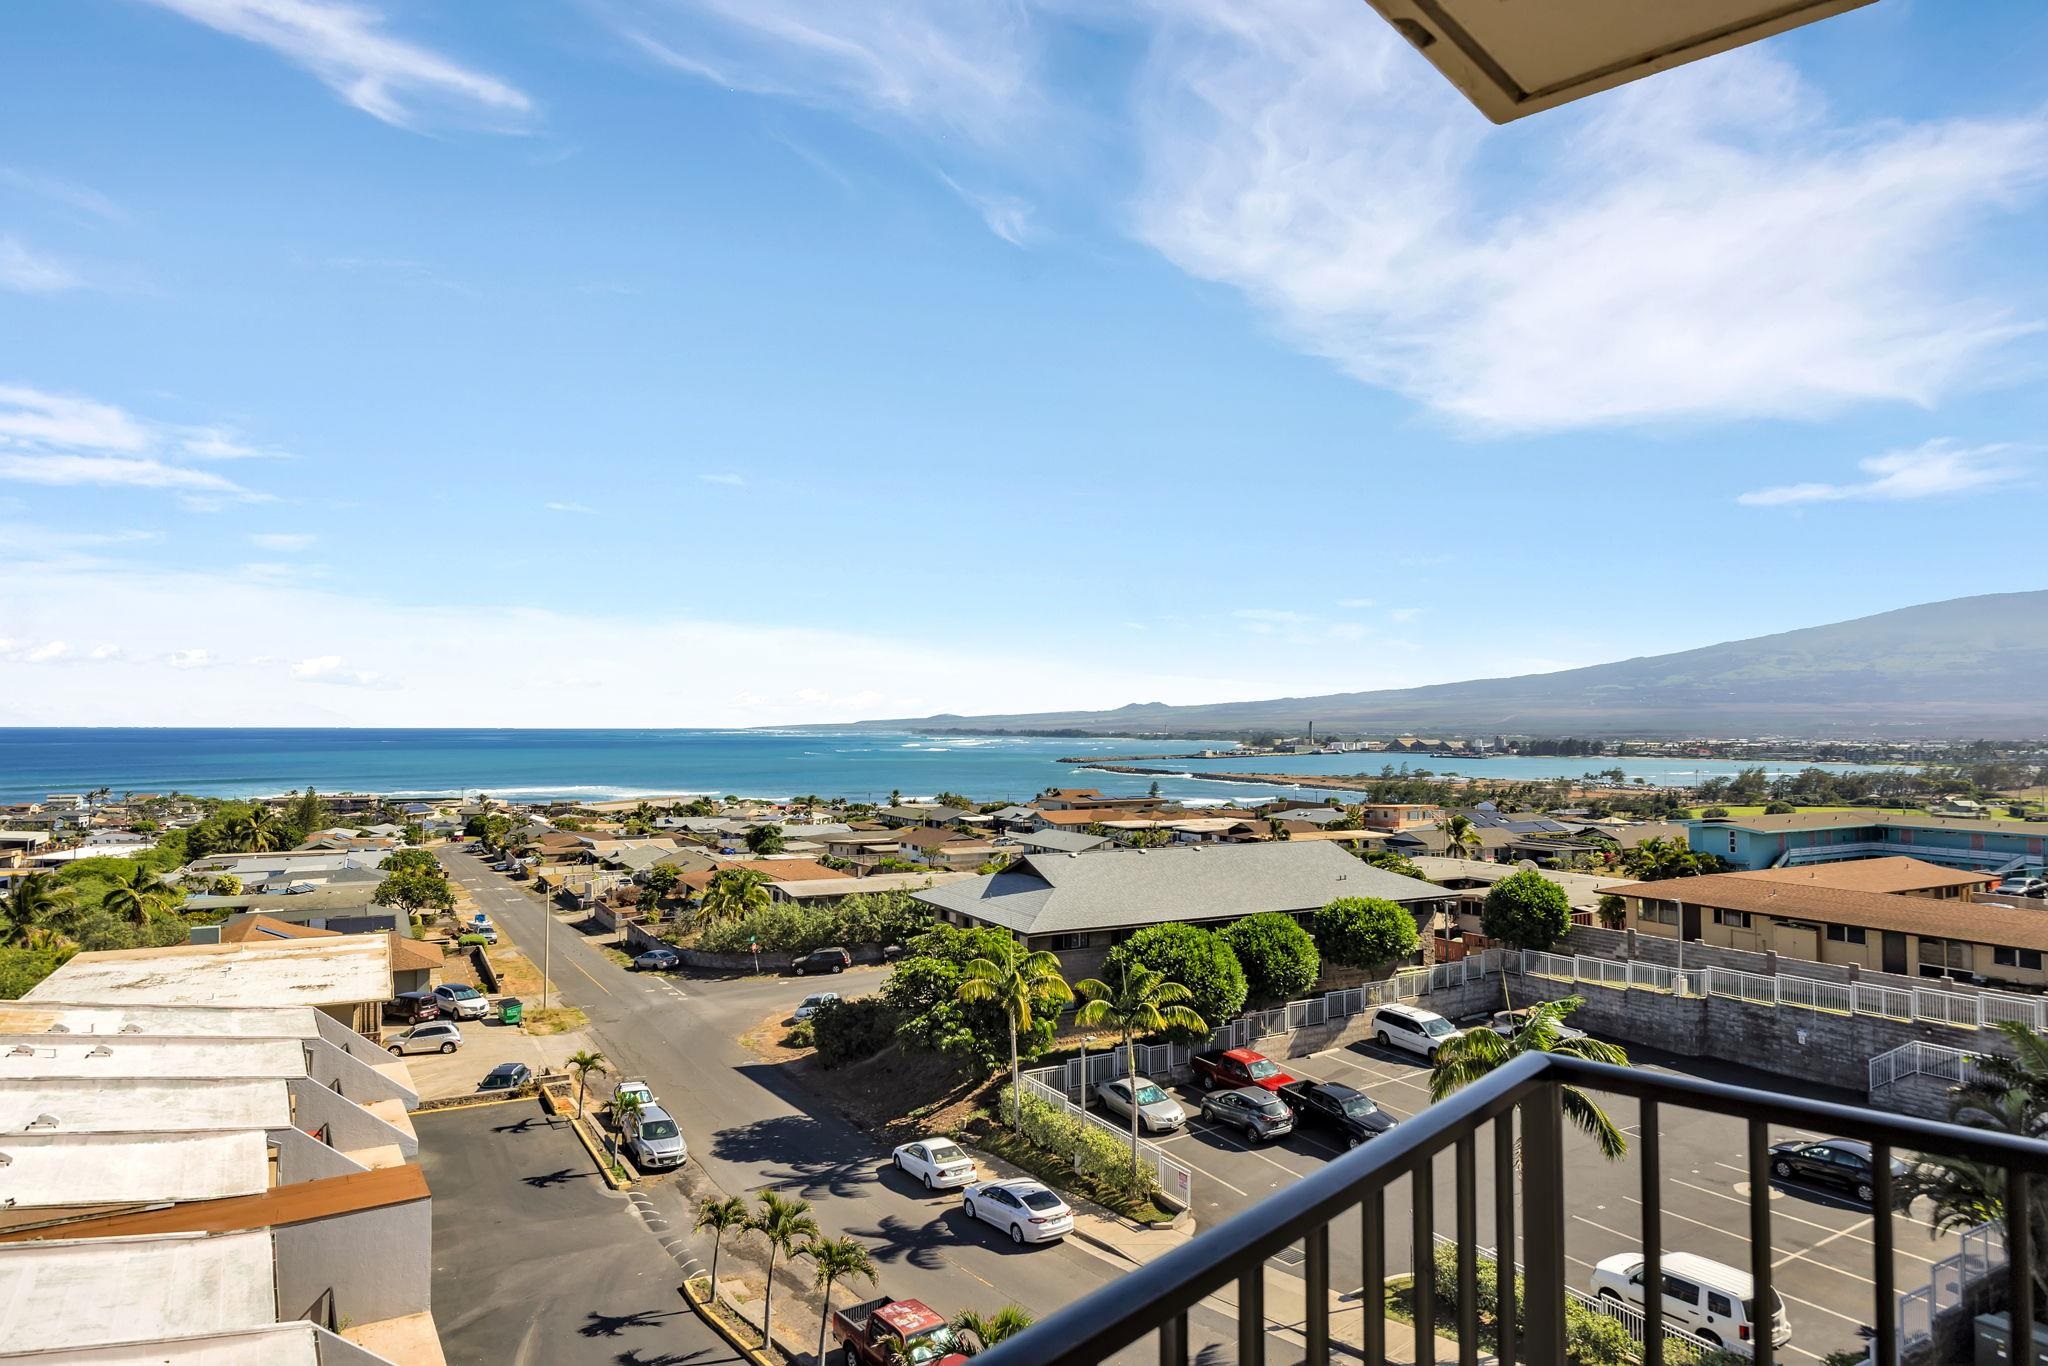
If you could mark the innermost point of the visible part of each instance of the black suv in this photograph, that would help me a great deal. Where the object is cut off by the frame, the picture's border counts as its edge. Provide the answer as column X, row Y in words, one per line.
column 413, row 1007
column 1348, row 1111
column 823, row 960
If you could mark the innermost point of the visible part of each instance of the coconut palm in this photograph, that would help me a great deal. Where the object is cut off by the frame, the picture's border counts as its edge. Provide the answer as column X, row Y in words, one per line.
column 977, row 1331
column 721, row 1217
column 258, row 830
column 1019, row 983
column 734, row 894
column 1478, row 1052
column 836, row 1259
column 1141, row 1002
column 1461, row 837
column 787, row 1225
column 139, row 894
column 583, row 1064
column 36, row 898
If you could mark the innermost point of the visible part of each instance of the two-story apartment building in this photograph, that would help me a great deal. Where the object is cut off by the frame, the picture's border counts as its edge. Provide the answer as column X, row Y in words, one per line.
column 1803, row 837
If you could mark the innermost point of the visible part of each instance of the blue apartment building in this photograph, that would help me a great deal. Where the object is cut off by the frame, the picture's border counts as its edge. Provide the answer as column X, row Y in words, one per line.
column 1804, row 837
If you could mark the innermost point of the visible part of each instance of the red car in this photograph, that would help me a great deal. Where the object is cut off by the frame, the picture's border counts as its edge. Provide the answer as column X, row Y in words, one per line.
column 1238, row 1067
column 884, row 1331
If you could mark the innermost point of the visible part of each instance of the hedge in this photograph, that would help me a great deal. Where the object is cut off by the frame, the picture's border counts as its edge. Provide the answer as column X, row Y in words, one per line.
column 863, row 918
column 1096, row 1153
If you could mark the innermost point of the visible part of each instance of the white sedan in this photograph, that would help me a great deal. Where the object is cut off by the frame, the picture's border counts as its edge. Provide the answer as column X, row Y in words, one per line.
column 935, row 1161
column 1024, row 1209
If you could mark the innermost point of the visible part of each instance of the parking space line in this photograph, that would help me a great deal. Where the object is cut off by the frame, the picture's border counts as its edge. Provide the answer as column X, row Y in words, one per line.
column 1790, row 1218
column 1217, row 1131
column 1790, row 1299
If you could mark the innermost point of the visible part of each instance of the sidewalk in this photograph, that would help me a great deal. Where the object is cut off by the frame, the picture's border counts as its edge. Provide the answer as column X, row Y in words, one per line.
column 1286, row 1295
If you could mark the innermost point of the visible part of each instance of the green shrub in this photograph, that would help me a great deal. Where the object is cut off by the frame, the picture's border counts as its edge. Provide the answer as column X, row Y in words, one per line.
column 1526, row 910
column 1365, row 931
column 21, row 969
column 1279, row 959
column 1593, row 1339
column 863, row 918
column 1193, row 957
column 471, row 941
column 1096, row 1154
column 800, row 1035
column 848, row 1031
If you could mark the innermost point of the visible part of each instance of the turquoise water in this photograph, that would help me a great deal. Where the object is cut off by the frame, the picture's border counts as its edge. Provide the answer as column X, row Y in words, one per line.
column 534, row 764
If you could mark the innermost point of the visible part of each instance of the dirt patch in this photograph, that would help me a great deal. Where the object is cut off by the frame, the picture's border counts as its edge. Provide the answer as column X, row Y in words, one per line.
column 553, row 1020
column 898, row 1095
column 767, row 1041
column 517, row 976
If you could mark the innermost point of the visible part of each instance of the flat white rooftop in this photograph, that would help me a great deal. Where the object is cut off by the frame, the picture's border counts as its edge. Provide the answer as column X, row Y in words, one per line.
column 344, row 970
column 90, row 1292
column 282, row 1344
column 46, row 1056
column 47, row 1172
column 104, row 1105
column 249, row 1022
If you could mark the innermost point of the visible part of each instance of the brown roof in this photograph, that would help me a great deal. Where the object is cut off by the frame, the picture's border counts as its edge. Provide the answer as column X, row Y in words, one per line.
column 1973, row 922
column 1089, row 817
column 244, row 928
column 410, row 955
column 1893, row 874
column 279, row 1206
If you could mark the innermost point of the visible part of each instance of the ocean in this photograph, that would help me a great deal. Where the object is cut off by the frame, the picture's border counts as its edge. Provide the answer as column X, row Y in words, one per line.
column 526, row 765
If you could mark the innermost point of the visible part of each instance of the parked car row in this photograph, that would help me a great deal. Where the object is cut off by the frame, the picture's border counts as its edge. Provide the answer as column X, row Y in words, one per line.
column 1029, row 1211
column 647, row 1131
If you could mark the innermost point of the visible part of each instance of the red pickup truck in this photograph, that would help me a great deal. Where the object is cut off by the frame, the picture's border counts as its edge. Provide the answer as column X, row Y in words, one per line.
column 885, row 1331
column 1237, row 1067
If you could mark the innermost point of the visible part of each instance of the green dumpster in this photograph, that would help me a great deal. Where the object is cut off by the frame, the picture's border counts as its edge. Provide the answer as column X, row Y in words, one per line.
column 511, row 1010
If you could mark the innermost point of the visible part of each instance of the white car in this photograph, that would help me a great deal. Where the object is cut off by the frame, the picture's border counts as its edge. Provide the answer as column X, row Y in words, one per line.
column 1158, row 1113
column 635, row 1088
column 462, row 1001
column 814, row 1003
column 1024, row 1209
column 1702, row 1296
column 1413, row 1030
column 938, row 1162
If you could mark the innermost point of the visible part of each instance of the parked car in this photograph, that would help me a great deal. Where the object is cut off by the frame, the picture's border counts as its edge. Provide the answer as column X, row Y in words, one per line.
column 1701, row 1296
column 502, row 866
column 814, row 1003
column 462, row 1001
column 1843, row 1163
column 937, row 1162
column 439, row 1036
column 653, row 1139
column 1508, row 1022
column 486, row 932
column 637, row 1089
column 658, row 960
column 1158, row 1113
column 1413, row 1030
column 506, row 1076
column 1030, row 1212
column 884, row 1331
column 1347, row 1110
column 1261, row 1114
column 1238, row 1067
column 2024, row 885
column 413, row 1007
column 822, row 960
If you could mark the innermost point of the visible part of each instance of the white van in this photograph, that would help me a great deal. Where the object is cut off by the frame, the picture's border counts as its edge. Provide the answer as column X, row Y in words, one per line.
column 1704, row 1297
column 1413, row 1030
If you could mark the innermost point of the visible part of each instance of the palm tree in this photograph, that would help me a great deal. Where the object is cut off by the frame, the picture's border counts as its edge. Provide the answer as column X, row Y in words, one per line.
column 721, row 1217
column 35, row 899
column 1019, row 983
column 734, row 894
column 836, row 1259
column 786, row 1224
column 258, row 831
column 138, row 895
column 987, row 1331
column 1461, row 837
column 1477, row 1052
column 583, row 1064
column 1142, row 1002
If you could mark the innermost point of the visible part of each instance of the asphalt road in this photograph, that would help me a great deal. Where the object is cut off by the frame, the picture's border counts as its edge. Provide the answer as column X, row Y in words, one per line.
column 1823, row 1243
column 750, row 1129
column 537, row 1261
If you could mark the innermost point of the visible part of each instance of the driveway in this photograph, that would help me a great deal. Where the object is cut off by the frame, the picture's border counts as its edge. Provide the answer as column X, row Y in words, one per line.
column 537, row 1261
column 485, row 1044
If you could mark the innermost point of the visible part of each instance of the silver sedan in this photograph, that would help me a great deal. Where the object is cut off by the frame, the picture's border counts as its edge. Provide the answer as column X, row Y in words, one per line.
column 1158, row 1112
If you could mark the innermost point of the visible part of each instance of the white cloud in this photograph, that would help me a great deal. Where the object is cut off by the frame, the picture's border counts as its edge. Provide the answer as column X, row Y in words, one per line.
column 281, row 540
column 1404, row 614
column 28, row 271
column 61, row 192
column 344, row 45
column 731, row 481
column 317, row 667
column 106, row 471
column 36, row 417
column 1708, row 244
column 1007, row 216
column 570, row 507
column 66, row 441
column 106, row 652
column 1272, row 616
column 1934, row 470
column 1354, row 603
column 45, row 653
column 189, row 659
column 1347, row 630
column 220, row 443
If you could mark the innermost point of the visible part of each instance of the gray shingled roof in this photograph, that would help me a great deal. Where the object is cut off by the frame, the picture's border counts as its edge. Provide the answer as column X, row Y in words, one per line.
column 1061, row 894
column 1059, row 841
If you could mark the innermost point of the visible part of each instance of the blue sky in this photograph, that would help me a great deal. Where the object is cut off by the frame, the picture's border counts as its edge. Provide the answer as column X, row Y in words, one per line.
column 692, row 362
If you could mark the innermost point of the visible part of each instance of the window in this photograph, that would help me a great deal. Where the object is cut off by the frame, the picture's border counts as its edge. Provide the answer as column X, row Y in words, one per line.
column 1662, row 912
column 1847, row 934
column 1685, row 1292
column 1069, row 941
column 1717, row 1303
column 1738, row 920
column 2029, row 959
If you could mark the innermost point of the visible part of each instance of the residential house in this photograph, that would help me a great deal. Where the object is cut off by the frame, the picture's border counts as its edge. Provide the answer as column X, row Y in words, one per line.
column 1898, row 875
column 1473, row 878
column 929, row 816
column 1088, row 799
column 943, row 848
column 828, row 891
column 1054, row 841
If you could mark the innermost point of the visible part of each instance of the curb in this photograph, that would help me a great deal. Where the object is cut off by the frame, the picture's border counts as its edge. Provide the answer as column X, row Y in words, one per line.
column 581, row 1128
column 434, row 1107
column 704, row 1311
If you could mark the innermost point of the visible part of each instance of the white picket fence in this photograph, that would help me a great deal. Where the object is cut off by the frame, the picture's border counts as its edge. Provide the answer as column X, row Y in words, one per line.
column 1918, row 1059
column 1176, row 1183
column 1981, row 1254
column 1925, row 1005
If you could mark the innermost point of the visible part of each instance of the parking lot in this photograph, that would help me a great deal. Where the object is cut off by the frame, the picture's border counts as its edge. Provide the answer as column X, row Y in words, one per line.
column 536, row 1260
column 1822, row 1240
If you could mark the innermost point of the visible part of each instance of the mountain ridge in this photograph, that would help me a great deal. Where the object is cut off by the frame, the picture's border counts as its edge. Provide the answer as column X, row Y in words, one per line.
column 1973, row 667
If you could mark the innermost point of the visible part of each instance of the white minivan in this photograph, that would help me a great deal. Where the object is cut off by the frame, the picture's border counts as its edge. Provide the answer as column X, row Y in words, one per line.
column 1413, row 1030
column 1704, row 1297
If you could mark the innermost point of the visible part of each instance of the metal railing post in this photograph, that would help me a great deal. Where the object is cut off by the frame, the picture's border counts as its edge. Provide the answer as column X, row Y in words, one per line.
column 1649, row 1162
column 1884, row 1347
column 1543, row 1224
column 1317, row 1327
column 2019, row 1263
column 1422, row 1256
column 1763, row 1348
column 1468, row 1252
column 1373, row 1259
column 1506, row 1324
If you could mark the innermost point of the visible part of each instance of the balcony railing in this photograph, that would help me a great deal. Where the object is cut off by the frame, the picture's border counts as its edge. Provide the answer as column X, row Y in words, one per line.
column 1513, row 1120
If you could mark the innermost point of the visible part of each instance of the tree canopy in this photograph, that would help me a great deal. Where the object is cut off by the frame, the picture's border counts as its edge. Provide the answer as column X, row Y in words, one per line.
column 1193, row 957
column 1279, row 959
column 1526, row 910
column 414, row 890
column 1365, row 931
